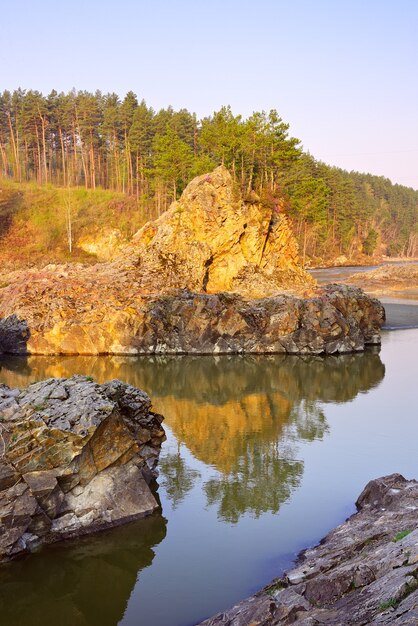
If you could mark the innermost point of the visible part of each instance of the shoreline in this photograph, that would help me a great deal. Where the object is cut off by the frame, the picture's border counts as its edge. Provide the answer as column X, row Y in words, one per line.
column 364, row 571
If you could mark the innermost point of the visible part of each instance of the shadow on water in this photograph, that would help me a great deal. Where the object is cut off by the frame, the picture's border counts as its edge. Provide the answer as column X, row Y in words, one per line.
column 76, row 584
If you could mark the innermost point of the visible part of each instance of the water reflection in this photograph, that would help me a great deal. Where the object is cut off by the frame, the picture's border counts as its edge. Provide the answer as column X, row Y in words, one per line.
column 83, row 583
column 241, row 416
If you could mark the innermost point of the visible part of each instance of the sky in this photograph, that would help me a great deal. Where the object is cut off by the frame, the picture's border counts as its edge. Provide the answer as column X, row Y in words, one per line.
column 341, row 73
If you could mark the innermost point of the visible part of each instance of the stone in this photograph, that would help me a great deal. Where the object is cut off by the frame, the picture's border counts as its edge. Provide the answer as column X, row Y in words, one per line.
column 72, row 460
column 363, row 572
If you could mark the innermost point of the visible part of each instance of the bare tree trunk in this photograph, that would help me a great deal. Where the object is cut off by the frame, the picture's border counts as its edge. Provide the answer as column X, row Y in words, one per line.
column 44, row 146
column 68, row 222
column 3, row 158
column 15, row 148
column 92, row 162
column 83, row 159
column 62, row 156
column 38, row 145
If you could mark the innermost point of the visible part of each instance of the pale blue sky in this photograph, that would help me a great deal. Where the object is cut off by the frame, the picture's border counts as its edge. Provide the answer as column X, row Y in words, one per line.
column 342, row 73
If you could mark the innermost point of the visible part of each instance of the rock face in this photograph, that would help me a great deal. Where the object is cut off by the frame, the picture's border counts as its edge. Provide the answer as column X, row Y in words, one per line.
column 364, row 572
column 196, row 280
column 75, row 458
column 212, row 240
column 105, row 245
column 336, row 319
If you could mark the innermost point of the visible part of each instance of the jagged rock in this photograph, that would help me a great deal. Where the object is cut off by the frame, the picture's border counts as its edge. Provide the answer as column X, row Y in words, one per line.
column 208, row 241
column 75, row 457
column 212, row 240
column 364, row 572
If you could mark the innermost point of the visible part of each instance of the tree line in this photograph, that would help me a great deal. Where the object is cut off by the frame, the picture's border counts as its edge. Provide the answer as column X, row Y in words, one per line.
column 99, row 140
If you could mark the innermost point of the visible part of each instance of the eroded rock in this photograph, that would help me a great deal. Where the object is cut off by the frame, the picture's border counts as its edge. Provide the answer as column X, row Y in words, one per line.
column 213, row 240
column 364, row 572
column 75, row 457
column 337, row 319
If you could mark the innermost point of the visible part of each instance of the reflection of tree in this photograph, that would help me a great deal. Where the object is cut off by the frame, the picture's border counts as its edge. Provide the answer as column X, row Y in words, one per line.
column 177, row 477
column 75, row 584
column 310, row 421
column 242, row 415
column 260, row 486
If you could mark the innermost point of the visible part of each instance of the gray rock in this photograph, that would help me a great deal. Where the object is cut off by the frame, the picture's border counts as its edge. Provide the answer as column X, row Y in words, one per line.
column 363, row 572
column 75, row 457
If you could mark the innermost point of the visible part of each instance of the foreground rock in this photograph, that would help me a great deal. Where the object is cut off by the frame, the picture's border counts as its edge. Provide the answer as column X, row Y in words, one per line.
column 364, row 572
column 75, row 457
column 336, row 319
column 195, row 280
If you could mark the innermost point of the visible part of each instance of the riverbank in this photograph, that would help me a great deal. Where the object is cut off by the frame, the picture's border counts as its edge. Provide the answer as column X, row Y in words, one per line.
column 363, row 572
column 397, row 280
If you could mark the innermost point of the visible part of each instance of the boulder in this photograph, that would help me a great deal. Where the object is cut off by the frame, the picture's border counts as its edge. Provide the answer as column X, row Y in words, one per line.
column 75, row 457
column 363, row 572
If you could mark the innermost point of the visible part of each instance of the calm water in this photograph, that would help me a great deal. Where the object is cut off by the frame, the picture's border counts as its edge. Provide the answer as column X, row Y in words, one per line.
column 264, row 456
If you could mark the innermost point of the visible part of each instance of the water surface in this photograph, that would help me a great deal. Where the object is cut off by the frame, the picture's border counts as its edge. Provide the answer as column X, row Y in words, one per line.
column 264, row 455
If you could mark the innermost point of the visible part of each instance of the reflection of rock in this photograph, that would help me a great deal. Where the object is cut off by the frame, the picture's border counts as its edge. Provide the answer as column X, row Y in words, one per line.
column 243, row 415
column 213, row 379
column 79, row 584
column 363, row 572
column 75, row 457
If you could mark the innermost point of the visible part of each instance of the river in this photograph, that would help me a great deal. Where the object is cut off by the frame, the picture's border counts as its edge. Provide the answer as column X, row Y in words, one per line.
column 263, row 456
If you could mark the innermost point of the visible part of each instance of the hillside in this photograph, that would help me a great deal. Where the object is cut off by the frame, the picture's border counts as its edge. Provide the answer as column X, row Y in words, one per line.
column 50, row 224
column 133, row 162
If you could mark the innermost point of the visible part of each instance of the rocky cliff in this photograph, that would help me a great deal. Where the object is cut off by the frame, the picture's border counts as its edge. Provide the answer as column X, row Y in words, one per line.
column 212, row 240
column 196, row 280
column 75, row 457
column 364, row 572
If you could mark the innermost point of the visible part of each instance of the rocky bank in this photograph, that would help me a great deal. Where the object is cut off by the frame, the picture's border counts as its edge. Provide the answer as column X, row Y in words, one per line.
column 364, row 572
column 215, row 273
column 75, row 457
column 336, row 319
column 397, row 279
